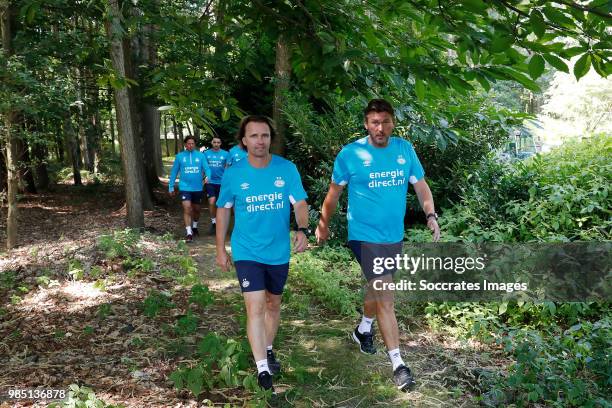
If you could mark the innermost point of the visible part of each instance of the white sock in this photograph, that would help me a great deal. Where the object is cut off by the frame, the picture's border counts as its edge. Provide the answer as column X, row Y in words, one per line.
column 262, row 365
column 189, row 231
column 269, row 348
column 366, row 325
column 194, row 224
column 213, row 220
column 396, row 358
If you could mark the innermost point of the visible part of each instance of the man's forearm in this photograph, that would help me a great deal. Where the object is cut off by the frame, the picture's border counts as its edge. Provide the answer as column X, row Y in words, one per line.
column 328, row 208
column 425, row 197
column 222, row 226
column 301, row 214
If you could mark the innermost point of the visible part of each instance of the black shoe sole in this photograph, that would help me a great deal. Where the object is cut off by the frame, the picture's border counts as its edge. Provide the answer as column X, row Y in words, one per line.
column 358, row 342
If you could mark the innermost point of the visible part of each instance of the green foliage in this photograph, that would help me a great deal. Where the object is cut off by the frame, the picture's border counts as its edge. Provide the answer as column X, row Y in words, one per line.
column 182, row 268
column 75, row 269
column 104, row 310
column 331, row 277
column 82, row 397
column 201, row 295
column 155, row 302
column 119, row 244
column 221, row 363
column 563, row 369
column 8, row 280
column 187, row 324
column 560, row 196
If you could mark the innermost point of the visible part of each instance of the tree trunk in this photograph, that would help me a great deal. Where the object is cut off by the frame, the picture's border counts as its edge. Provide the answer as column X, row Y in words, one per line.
column 25, row 167
column 166, row 134
column 282, row 72
column 71, row 143
column 130, row 157
column 188, row 128
column 3, row 173
column 180, row 136
column 41, row 175
column 10, row 137
column 59, row 144
column 176, row 137
column 111, row 120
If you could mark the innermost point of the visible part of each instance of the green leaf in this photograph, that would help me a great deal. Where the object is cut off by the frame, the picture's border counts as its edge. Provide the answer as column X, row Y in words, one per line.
column 475, row 6
column 195, row 381
column 556, row 16
column 523, row 80
column 537, row 23
column 556, row 62
column 501, row 42
column 536, row 66
column 225, row 115
column 582, row 66
column 483, row 82
column 419, row 89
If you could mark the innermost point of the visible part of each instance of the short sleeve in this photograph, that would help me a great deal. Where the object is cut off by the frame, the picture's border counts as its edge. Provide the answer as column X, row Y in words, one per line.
column 415, row 171
column 296, row 189
column 226, row 196
column 341, row 174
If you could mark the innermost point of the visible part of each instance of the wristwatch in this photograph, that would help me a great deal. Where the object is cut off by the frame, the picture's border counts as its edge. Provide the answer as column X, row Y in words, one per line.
column 433, row 214
column 306, row 231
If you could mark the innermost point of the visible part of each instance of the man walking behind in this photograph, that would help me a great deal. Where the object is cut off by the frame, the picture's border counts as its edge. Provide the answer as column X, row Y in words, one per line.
column 193, row 171
column 261, row 188
column 377, row 169
column 216, row 159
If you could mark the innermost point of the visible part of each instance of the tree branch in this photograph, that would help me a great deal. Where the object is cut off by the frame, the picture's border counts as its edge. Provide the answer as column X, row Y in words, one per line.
column 592, row 10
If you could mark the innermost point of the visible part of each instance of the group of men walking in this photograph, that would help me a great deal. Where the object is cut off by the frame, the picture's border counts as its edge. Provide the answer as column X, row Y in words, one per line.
column 261, row 188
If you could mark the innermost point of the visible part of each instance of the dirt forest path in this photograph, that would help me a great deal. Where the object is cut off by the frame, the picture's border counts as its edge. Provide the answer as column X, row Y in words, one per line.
column 71, row 313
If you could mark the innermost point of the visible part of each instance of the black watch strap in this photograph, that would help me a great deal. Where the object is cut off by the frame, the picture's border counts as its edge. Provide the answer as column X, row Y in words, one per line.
column 306, row 231
column 433, row 214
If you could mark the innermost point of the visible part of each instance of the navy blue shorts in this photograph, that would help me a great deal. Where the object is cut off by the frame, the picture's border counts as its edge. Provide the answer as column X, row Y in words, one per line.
column 371, row 257
column 254, row 276
column 212, row 190
column 194, row 196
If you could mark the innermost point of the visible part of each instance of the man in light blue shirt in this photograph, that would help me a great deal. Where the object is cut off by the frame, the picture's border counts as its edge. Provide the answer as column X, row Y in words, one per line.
column 377, row 169
column 261, row 188
column 193, row 171
column 236, row 154
column 217, row 160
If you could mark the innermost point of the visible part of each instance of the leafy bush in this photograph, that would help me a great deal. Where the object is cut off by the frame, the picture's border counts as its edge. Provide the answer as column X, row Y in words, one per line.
column 559, row 369
column 119, row 244
column 155, row 302
column 221, row 363
column 559, row 196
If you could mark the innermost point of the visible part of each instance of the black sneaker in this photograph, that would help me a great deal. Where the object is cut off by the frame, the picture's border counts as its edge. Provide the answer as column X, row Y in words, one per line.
column 264, row 379
column 365, row 341
column 188, row 238
column 212, row 230
column 402, row 377
column 273, row 363
column 196, row 233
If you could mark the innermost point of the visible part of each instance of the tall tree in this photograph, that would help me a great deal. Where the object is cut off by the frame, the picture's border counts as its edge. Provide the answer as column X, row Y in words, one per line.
column 282, row 73
column 9, row 136
column 131, row 158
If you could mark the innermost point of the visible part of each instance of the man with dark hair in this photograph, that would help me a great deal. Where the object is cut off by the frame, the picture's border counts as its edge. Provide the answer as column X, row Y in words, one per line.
column 377, row 169
column 236, row 154
column 216, row 158
column 193, row 171
column 261, row 188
